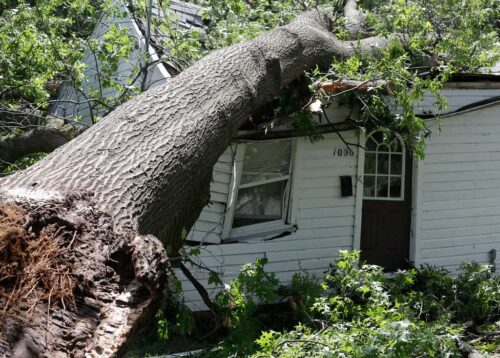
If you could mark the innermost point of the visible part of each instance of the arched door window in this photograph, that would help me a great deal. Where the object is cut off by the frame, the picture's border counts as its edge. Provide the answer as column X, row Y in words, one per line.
column 384, row 168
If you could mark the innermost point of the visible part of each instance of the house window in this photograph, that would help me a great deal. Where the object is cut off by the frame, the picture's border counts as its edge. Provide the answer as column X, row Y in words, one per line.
column 384, row 168
column 260, row 198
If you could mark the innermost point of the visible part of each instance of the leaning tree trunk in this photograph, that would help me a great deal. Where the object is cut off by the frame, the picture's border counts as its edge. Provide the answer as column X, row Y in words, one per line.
column 82, row 230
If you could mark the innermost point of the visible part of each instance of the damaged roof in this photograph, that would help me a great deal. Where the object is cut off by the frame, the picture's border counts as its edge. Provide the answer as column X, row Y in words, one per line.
column 188, row 16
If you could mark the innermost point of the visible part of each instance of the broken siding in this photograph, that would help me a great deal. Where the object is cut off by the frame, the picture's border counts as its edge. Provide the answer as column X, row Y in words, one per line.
column 324, row 219
column 460, row 213
column 208, row 227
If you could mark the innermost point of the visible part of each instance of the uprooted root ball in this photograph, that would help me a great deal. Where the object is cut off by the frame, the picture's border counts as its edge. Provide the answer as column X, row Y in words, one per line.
column 34, row 266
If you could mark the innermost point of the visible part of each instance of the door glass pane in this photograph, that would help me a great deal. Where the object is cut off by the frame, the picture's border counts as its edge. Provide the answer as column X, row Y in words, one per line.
column 382, row 186
column 383, row 163
column 258, row 204
column 266, row 160
column 370, row 163
column 396, row 145
column 378, row 137
column 384, row 167
column 371, row 145
column 396, row 164
column 369, row 186
column 395, row 189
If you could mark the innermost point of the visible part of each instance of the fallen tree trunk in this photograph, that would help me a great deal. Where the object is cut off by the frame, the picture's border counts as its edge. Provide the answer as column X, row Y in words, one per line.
column 113, row 196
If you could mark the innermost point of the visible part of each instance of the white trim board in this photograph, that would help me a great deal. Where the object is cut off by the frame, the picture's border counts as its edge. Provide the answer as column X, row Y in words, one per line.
column 416, row 210
column 358, row 213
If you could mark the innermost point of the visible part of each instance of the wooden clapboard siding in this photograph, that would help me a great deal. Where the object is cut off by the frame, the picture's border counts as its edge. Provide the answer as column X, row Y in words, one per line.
column 208, row 227
column 325, row 220
column 72, row 104
column 457, row 98
column 460, row 207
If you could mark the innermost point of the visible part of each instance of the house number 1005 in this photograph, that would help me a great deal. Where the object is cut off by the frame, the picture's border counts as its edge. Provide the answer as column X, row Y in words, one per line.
column 343, row 152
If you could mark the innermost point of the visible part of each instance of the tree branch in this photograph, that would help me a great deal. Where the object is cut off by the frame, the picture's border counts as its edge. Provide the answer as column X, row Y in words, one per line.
column 19, row 118
column 340, row 85
column 355, row 19
column 201, row 290
column 261, row 134
column 38, row 139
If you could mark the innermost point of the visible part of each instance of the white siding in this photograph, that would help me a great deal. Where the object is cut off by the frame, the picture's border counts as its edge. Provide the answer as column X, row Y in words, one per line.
column 456, row 98
column 71, row 103
column 460, row 194
column 208, row 227
column 324, row 219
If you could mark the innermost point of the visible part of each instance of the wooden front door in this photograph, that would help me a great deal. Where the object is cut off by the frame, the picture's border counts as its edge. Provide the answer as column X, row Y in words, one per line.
column 385, row 226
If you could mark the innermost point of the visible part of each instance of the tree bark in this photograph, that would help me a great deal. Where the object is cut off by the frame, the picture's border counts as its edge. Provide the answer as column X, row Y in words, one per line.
column 131, row 183
column 355, row 19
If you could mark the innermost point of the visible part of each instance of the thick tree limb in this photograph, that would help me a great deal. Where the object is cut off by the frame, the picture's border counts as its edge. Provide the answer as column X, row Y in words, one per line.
column 355, row 19
column 130, row 155
column 38, row 139
column 41, row 133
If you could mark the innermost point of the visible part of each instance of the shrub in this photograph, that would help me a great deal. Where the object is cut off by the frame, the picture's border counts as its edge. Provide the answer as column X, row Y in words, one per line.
column 361, row 318
column 239, row 303
column 358, row 311
column 477, row 296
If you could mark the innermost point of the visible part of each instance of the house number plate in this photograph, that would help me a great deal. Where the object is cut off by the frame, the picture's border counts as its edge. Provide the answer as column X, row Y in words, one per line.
column 343, row 152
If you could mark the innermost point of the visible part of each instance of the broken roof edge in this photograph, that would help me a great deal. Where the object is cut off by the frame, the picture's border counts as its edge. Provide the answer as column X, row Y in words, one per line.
column 183, row 11
column 283, row 130
column 485, row 78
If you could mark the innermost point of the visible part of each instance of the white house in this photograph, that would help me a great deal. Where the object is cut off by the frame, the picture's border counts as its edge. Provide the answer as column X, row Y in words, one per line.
column 298, row 203
column 73, row 103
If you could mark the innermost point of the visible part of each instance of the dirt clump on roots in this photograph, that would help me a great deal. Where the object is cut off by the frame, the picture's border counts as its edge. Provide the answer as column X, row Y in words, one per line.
column 34, row 264
column 71, row 285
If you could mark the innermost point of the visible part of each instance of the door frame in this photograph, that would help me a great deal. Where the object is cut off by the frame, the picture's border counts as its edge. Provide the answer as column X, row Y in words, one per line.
column 416, row 199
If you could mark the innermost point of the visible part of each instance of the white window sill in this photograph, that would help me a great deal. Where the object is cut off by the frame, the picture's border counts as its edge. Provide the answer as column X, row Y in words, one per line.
column 259, row 231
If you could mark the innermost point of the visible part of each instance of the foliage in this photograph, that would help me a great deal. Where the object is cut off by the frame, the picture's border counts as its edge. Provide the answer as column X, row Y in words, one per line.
column 178, row 46
column 306, row 126
column 41, row 44
column 182, row 324
column 23, row 162
column 304, row 290
column 441, row 38
column 238, row 20
column 46, row 42
column 240, row 301
column 477, row 295
column 358, row 311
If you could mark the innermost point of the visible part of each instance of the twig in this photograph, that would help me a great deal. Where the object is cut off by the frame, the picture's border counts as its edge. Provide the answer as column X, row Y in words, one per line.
column 72, row 240
column 299, row 341
column 201, row 290
column 485, row 337
column 346, row 143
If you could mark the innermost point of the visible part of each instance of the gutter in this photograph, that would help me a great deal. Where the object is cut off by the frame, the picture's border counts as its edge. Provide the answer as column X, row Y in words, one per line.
column 468, row 108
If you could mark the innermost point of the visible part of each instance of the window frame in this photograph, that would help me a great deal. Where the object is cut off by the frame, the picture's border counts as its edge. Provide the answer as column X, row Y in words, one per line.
column 388, row 175
column 265, row 229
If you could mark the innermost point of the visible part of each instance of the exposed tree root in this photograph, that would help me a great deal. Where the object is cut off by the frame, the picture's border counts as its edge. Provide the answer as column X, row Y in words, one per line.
column 69, row 284
column 34, row 266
